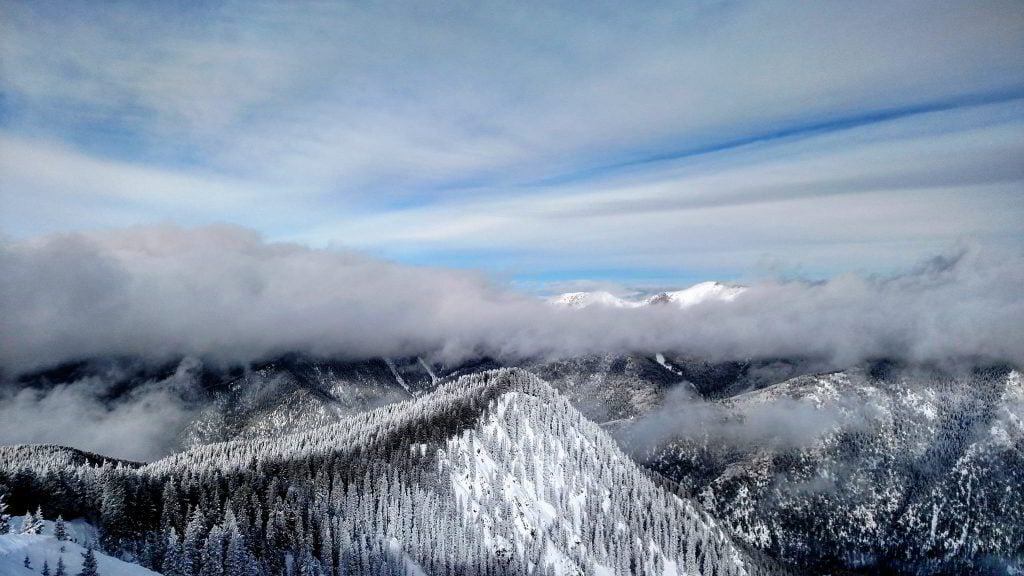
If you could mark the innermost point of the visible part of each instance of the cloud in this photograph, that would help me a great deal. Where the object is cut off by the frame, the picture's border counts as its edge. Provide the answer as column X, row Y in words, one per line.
column 372, row 105
column 140, row 424
column 224, row 293
column 780, row 423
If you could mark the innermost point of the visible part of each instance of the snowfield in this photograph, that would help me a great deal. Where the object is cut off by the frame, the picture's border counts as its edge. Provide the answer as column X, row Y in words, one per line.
column 44, row 547
column 696, row 294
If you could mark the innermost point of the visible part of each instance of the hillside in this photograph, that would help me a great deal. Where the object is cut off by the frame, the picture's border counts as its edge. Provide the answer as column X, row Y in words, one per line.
column 492, row 473
column 919, row 469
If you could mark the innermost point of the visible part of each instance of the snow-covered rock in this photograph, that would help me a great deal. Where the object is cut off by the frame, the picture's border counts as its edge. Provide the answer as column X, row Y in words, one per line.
column 697, row 294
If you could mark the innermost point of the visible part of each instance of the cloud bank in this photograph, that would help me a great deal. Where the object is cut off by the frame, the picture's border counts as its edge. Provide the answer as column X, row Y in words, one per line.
column 225, row 294
column 142, row 423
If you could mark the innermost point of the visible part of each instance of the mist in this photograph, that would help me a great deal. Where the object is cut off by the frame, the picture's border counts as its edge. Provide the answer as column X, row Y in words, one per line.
column 225, row 294
column 142, row 423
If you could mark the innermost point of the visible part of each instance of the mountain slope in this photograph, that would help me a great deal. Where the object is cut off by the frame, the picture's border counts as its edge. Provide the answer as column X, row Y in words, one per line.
column 493, row 473
column 919, row 469
column 296, row 393
column 696, row 294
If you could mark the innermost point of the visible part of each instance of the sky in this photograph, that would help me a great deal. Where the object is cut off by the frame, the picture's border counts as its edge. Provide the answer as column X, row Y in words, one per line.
column 550, row 146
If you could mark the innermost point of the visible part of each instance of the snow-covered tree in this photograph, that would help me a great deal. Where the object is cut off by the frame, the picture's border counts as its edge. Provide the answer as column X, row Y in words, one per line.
column 89, row 567
column 5, row 518
column 60, row 531
column 32, row 523
column 61, row 570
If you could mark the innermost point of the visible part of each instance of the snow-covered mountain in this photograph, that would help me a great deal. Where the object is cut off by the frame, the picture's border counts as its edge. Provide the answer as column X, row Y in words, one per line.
column 696, row 294
column 917, row 466
column 919, row 470
column 595, row 298
column 298, row 393
column 494, row 473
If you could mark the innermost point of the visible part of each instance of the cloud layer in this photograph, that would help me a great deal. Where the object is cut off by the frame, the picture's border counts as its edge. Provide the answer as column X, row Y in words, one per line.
column 224, row 293
column 142, row 423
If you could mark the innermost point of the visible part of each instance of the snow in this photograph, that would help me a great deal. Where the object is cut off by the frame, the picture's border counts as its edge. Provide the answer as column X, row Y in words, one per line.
column 696, row 294
column 14, row 547
column 585, row 299
column 660, row 359
column 430, row 372
column 398, row 377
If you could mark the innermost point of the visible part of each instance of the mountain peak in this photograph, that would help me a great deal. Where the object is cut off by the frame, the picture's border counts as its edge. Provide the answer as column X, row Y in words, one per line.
column 696, row 294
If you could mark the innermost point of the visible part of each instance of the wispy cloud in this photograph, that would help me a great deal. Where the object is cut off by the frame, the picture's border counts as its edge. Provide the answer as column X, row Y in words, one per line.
column 559, row 132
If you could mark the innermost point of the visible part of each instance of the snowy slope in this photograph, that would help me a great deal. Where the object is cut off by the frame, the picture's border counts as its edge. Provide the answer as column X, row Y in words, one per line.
column 44, row 547
column 920, row 470
column 596, row 298
column 698, row 293
column 573, row 501
column 492, row 473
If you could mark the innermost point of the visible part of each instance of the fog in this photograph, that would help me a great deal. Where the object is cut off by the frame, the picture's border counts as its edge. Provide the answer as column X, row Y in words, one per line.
column 142, row 423
column 224, row 294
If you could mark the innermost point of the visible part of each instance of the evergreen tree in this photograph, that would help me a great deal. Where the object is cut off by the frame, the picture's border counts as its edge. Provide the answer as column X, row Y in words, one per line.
column 114, row 522
column 5, row 518
column 39, row 520
column 29, row 524
column 46, row 568
column 213, row 553
column 28, row 562
column 193, row 541
column 237, row 561
column 175, row 563
column 61, row 570
column 89, row 567
column 60, row 531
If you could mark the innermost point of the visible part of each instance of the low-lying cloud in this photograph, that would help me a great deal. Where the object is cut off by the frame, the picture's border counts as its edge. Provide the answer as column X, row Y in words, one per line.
column 142, row 423
column 225, row 294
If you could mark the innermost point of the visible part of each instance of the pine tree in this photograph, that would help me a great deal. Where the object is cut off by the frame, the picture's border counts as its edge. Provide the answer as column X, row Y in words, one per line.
column 238, row 561
column 29, row 525
column 89, row 563
column 174, row 563
column 28, row 562
column 46, row 568
column 61, row 571
column 213, row 553
column 60, row 531
column 5, row 519
column 40, row 522
column 193, row 540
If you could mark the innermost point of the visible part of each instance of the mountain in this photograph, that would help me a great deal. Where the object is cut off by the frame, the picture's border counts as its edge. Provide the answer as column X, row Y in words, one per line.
column 492, row 473
column 596, row 298
column 919, row 469
column 297, row 392
column 696, row 294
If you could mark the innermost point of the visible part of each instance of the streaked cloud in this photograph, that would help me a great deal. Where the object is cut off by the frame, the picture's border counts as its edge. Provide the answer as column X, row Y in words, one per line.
column 695, row 140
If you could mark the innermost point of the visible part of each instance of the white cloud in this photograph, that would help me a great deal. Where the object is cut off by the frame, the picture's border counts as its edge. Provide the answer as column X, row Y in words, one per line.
column 225, row 294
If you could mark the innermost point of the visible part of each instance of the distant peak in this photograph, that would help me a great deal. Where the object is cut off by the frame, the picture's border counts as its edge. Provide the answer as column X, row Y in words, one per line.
column 696, row 294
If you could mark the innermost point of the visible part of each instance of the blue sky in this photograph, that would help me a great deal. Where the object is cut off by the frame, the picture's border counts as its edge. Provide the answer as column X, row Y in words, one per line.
column 553, row 145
